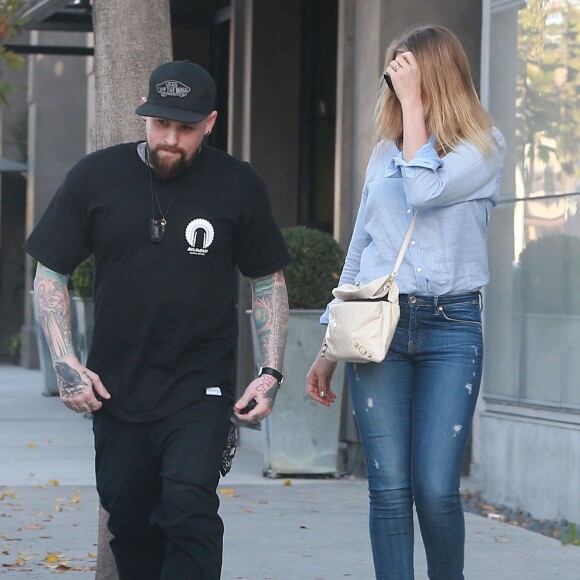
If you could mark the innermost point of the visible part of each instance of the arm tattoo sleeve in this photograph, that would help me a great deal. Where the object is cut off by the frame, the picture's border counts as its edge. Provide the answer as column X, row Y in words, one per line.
column 50, row 289
column 270, row 311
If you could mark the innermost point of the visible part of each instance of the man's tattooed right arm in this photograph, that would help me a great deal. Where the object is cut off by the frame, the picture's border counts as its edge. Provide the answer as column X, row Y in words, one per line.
column 52, row 296
column 78, row 385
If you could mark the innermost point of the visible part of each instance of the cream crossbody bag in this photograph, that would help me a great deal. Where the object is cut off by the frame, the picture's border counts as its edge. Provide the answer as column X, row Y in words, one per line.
column 362, row 325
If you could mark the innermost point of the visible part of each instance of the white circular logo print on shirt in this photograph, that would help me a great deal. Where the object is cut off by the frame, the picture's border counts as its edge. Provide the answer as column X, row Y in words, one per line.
column 199, row 234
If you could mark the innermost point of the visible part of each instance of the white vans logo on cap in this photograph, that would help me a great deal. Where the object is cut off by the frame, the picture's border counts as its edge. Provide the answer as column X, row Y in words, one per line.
column 173, row 89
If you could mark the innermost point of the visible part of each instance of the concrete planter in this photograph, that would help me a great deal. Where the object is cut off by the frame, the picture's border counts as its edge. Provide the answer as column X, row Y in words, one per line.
column 82, row 314
column 301, row 436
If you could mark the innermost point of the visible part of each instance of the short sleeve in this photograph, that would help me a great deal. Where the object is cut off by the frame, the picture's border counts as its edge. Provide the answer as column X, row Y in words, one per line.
column 260, row 246
column 60, row 241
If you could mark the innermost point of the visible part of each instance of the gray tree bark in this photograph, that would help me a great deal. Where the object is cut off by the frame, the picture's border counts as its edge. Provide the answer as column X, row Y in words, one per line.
column 131, row 39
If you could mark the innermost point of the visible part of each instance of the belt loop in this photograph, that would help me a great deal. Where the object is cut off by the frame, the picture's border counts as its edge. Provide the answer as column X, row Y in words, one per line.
column 435, row 301
column 480, row 296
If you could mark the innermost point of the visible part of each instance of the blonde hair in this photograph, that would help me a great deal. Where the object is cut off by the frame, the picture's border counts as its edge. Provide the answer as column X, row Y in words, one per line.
column 453, row 112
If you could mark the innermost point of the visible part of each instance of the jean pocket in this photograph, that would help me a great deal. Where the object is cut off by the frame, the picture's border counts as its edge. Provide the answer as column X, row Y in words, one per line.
column 460, row 313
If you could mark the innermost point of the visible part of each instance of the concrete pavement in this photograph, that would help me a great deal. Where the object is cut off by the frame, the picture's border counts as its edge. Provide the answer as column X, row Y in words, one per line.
column 276, row 529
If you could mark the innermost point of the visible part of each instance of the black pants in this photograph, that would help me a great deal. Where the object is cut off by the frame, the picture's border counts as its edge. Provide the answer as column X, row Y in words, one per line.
column 158, row 482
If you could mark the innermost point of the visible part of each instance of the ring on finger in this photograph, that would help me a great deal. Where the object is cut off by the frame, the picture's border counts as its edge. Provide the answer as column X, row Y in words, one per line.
column 322, row 394
column 395, row 67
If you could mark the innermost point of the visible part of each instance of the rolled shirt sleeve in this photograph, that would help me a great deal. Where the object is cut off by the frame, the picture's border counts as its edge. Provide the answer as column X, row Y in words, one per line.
column 464, row 174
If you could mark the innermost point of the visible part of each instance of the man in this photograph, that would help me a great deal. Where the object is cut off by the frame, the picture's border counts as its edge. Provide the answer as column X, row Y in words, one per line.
column 167, row 221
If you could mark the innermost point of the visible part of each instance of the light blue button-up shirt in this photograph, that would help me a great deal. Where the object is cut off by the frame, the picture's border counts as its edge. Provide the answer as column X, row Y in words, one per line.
column 455, row 194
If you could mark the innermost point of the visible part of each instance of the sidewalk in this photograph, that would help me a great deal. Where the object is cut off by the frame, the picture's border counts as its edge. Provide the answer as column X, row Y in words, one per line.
column 299, row 529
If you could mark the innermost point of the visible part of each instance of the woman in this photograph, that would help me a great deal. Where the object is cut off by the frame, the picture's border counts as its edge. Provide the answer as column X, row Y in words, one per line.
column 438, row 153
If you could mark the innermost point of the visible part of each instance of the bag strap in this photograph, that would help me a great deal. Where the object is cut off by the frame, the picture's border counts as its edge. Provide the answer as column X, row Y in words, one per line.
column 404, row 246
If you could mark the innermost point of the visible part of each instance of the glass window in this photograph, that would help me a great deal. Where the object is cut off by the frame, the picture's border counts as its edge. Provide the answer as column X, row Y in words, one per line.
column 532, row 314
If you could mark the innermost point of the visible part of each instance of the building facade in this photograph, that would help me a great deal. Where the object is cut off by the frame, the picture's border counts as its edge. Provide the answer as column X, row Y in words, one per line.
column 528, row 451
column 297, row 81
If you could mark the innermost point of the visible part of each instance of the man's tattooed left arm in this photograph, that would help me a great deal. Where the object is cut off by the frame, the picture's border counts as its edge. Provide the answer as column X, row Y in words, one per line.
column 270, row 312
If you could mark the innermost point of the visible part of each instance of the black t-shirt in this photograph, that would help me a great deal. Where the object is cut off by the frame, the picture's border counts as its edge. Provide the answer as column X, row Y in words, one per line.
column 165, row 314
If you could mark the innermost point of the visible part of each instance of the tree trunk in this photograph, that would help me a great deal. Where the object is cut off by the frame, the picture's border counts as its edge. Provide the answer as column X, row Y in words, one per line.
column 106, row 569
column 130, row 41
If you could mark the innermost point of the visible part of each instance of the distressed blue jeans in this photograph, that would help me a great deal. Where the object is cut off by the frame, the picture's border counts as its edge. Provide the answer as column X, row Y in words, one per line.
column 414, row 412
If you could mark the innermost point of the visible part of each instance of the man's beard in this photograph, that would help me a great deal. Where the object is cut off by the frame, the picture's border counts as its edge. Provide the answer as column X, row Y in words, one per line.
column 167, row 168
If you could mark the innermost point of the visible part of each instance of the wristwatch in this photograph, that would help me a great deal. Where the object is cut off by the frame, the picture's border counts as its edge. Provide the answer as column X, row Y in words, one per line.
column 272, row 372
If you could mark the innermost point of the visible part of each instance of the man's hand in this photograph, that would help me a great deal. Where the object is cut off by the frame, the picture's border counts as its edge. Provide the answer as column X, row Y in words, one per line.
column 262, row 391
column 318, row 381
column 80, row 388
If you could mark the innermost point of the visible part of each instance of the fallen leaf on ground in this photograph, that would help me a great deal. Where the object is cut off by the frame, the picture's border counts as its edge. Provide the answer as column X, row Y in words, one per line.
column 8, row 493
column 487, row 507
column 53, row 482
column 58, row 566
column 287, row 482
column 33, row 527
column 230, row 492
column 32, row 445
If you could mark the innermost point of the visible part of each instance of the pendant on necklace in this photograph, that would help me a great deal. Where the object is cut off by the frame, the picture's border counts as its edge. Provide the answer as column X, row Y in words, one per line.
column 157, row 230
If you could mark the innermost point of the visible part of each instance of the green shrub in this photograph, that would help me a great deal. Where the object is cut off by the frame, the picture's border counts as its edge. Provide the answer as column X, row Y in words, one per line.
column 317, row 260
column 15, row 347
column 33, row 266
column 571, row 536
column 82, row 279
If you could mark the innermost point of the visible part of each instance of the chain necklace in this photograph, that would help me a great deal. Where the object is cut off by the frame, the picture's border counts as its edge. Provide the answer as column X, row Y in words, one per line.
column 157, row 225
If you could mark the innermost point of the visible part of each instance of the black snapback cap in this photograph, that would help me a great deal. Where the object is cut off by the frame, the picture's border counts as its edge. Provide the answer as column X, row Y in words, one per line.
column 179, row 91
